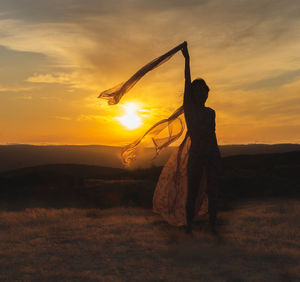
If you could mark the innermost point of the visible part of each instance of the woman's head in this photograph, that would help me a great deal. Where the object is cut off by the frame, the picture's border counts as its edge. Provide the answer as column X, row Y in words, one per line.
column 199, row 91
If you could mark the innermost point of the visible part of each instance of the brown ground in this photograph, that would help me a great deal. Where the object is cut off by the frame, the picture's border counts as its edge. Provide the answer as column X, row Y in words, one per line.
column 258, row 241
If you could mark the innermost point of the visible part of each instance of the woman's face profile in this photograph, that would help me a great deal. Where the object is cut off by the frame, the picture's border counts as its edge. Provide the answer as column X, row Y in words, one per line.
column 200, row 95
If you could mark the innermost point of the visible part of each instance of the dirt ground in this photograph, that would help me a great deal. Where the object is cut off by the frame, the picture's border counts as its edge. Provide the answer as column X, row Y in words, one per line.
column 257, row 241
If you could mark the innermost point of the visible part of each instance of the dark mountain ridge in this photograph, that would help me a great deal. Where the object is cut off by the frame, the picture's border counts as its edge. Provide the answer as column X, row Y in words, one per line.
column 20, row 156
column 87, row 186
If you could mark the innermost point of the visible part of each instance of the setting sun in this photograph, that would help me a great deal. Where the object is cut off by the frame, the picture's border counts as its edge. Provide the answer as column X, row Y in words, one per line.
column 130, row 119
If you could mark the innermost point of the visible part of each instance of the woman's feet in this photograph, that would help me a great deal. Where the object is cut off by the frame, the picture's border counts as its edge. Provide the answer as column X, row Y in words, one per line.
column 188, row 229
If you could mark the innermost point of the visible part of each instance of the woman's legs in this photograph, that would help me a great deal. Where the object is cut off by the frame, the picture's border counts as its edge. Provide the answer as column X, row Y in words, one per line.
column 212, row 193
column 194, row 172
column 195, row 169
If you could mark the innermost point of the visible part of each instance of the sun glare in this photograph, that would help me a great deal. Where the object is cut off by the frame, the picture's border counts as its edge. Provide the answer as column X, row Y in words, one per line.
column 131, row 119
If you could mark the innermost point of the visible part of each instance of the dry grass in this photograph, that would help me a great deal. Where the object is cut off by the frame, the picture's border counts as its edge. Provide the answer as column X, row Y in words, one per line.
column 258, row 241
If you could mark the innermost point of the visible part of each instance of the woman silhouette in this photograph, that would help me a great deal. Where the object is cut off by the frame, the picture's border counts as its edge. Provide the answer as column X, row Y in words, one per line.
column 188, row 185
column 204, row 155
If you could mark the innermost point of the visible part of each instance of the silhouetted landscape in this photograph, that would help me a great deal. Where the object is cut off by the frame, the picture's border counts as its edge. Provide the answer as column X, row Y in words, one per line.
column 89, row 222
column 86, row 186
column 20, row 156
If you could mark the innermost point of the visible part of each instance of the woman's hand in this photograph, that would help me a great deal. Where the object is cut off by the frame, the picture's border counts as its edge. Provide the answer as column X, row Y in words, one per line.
column 185, row 51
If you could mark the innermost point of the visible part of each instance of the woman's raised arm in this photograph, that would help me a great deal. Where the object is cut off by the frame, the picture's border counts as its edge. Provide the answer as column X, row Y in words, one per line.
column 187, row 99
column 187, row 71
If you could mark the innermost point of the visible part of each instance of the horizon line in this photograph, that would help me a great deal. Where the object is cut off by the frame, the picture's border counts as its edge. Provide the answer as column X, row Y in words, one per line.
column 118, row 146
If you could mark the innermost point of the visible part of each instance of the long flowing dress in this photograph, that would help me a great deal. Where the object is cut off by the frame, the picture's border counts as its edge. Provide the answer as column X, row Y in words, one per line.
column 170, row 195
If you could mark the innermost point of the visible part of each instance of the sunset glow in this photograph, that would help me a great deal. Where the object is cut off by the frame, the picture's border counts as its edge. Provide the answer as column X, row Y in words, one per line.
column 247, row 52
column 131, row 119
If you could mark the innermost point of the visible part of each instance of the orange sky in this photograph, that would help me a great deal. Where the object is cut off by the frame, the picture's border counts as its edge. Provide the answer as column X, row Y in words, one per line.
column 57, row 56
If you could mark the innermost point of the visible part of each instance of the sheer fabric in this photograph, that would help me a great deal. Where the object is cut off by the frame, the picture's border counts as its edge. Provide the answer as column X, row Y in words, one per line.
column 175, row 126
column 174, row 123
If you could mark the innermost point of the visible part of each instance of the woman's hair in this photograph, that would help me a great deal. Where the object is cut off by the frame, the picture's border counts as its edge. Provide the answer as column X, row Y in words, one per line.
column 199, row 90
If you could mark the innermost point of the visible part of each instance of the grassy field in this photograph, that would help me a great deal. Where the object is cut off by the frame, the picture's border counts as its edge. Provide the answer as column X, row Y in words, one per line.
column 257, row 241
column 88, row 223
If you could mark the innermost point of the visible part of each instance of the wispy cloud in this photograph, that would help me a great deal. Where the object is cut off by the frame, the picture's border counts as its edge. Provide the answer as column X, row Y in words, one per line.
column 63, row 118
column 277, row 80
column 15, row 89
column 62, row 78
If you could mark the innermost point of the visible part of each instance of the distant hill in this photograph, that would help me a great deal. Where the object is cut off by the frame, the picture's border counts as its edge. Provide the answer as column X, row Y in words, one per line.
column 250, row 149
column 21, row 156
column 90, row 186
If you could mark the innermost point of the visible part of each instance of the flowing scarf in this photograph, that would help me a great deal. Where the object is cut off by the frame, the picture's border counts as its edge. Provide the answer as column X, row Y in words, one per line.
column 172, row 123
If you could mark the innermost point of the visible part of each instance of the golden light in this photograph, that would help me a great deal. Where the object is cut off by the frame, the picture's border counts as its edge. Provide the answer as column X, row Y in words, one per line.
column 131, row 119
